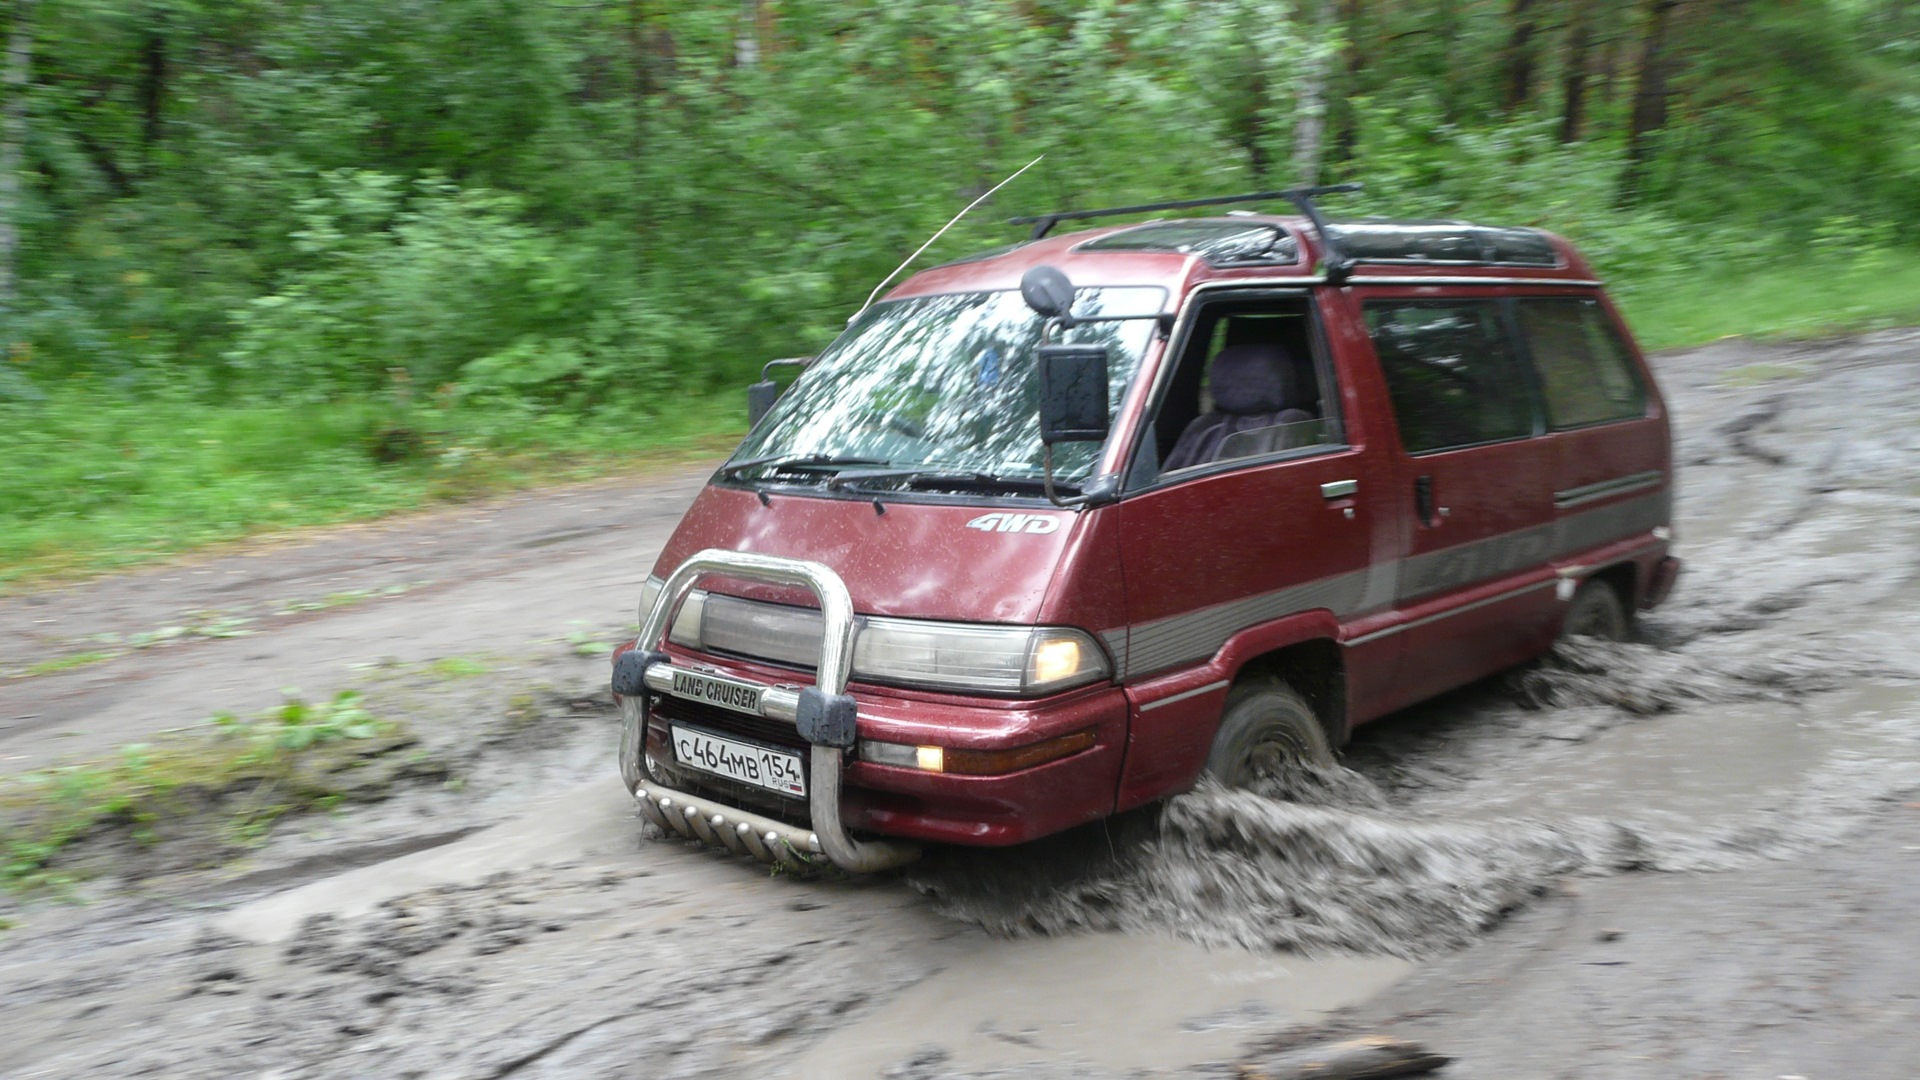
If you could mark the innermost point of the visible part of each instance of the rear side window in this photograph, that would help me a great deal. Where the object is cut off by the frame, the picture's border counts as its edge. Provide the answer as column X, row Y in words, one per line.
column 1586, row 373
column 1451, row 372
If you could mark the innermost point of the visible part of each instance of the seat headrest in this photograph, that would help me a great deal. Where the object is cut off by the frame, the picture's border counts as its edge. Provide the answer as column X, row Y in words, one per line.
column 1254, row 378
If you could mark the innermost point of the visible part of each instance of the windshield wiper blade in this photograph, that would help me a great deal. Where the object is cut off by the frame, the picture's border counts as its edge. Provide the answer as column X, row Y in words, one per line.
column 857, row 476
column 776, row 462
column 924, row 478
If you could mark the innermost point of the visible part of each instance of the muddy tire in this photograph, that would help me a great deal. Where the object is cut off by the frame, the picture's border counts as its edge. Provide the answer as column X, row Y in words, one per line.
column 1265, row 723
column 1596, row 611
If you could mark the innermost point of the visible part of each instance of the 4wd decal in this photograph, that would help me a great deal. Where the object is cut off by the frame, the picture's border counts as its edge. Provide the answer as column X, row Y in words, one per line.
column 1037, row 524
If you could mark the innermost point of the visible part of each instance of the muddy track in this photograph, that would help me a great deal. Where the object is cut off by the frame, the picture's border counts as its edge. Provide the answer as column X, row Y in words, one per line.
column 1696, row 794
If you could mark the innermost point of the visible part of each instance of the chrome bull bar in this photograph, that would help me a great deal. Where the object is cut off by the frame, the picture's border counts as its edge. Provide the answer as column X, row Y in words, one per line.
column 738, row 830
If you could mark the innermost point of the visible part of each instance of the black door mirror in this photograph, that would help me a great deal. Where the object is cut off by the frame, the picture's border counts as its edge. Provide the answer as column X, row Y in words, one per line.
column 760, row 399
column 1047, row 291
column 1073, row 393
column 762, row 395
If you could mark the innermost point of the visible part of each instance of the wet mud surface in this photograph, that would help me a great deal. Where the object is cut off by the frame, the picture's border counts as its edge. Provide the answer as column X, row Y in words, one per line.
column 1687, row 855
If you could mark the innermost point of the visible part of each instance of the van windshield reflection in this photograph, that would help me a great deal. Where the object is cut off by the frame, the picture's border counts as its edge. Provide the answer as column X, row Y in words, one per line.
column 942, row 385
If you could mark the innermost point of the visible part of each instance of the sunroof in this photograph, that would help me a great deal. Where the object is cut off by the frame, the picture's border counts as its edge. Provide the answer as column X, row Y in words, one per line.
column 1215, row 241
column 1441, row 243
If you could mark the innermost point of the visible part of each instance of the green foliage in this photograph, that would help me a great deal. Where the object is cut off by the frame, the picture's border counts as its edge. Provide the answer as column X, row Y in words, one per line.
column 334, row 248
column 146, row 786
column 92, row 480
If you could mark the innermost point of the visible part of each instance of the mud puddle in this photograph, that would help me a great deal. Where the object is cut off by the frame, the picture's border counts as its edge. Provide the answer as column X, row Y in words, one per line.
column 1109, row 1001
column 1444, row 821
column 1771, row 708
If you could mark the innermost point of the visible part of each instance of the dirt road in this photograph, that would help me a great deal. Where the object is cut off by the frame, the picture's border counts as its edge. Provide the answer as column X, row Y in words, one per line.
column 1687, row 856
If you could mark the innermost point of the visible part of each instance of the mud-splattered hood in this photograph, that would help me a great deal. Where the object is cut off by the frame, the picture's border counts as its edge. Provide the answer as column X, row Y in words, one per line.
column 968, row 563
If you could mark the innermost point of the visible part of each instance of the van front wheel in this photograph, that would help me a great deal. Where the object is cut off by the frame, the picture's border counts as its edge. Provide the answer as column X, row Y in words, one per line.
column 1265, row 726
column 1596, row 611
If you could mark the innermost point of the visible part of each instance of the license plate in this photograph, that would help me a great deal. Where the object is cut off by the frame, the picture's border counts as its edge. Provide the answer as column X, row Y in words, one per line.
column 749, row 763
column 714, row 690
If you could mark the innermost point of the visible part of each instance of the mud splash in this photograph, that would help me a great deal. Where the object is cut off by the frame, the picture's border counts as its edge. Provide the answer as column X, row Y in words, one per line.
column 1416, row 847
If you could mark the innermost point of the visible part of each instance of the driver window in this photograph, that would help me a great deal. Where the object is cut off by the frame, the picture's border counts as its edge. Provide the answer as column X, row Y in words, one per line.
column 1247, row 385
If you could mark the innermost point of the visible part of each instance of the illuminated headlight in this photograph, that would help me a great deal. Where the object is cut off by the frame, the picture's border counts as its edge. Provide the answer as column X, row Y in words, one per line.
column 1020, row 660
column 984, row 659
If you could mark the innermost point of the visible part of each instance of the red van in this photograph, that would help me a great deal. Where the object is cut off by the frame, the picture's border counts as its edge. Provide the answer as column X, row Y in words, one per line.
column 1054, row 531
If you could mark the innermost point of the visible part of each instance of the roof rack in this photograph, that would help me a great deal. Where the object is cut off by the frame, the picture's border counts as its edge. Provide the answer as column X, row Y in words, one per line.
column 1301, row 198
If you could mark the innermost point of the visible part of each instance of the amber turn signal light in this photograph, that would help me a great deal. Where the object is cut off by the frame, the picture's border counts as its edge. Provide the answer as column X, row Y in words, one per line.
column 995, row 762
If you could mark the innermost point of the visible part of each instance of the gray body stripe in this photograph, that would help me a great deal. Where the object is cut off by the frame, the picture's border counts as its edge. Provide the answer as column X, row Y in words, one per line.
column 1184, row 695
column 1116, row 640
column 1450, row 612
column 1169, row 641
column 1196, row 635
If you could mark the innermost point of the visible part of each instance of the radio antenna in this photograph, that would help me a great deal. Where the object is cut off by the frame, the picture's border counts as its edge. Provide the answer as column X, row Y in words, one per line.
column 942, row 232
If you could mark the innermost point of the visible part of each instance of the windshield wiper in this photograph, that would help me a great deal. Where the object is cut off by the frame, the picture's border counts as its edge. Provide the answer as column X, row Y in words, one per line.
column 777, row 462
column 931, row 478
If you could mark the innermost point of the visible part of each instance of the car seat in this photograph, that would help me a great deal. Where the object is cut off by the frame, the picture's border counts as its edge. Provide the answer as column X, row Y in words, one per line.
column 1254, row 385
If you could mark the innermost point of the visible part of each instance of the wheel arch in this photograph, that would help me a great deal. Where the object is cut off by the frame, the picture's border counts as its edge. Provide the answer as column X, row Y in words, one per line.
column 1316, row 668
column 1623, row 577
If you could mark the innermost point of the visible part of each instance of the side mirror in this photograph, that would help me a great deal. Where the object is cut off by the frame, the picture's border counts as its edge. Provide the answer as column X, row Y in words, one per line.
column 1073, row 393
column 762, row 395
column 1047, row 291
column 760, row 399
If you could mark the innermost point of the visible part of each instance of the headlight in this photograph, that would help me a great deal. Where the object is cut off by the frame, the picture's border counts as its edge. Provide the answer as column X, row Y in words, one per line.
column 984, row 659
column 686, row 627
column 1021, row 660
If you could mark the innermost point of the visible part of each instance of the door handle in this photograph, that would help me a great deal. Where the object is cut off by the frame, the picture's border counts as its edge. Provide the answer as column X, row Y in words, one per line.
column 1339, row 489
column 1423, row 501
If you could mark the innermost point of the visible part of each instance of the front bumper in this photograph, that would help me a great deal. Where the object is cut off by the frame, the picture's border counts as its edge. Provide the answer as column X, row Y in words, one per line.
column 822, row 712
column 992, row 810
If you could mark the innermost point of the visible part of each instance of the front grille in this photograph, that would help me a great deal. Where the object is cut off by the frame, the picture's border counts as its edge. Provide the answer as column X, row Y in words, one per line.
column 670, row 709
column 727, row 722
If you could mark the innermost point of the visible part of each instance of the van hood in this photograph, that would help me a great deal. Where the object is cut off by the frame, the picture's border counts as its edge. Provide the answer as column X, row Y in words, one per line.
column 916, row 560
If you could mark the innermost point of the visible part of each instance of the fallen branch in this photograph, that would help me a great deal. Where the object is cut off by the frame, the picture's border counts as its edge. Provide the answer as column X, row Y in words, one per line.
column 1370, row 1057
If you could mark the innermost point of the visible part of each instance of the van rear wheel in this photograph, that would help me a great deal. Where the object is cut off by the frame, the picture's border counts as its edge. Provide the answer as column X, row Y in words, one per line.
column 1265, row 726
column 1596, row 611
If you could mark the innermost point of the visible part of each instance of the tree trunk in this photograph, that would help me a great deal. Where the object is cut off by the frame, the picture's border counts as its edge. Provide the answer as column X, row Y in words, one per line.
column 1649, row 98
column 1574, row 82
column 1447, row 30
column 153, row 82
column 1517, row 62
column 1346, row 132
column 13, row 141
column 1310, row 114
column 746, row 41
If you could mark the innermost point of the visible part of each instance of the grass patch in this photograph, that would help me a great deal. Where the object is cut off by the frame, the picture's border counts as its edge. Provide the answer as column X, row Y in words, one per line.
column 1827, row 296
column 93, row 480
column 458, row 667
column 344, row 598
column 1751, row 375
column 223, row 788
column 66, row 663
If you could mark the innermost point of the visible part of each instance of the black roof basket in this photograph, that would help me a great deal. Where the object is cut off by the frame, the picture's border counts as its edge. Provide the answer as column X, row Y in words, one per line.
column 1337, row 264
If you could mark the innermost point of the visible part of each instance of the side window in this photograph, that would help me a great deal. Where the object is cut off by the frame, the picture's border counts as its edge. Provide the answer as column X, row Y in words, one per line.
column 1246, row 385
column 1586, row 373
column 1451, row 372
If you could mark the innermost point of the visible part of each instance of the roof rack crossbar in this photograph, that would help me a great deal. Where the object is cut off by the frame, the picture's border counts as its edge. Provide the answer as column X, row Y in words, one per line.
column 1299, row 197
column 1337, row 264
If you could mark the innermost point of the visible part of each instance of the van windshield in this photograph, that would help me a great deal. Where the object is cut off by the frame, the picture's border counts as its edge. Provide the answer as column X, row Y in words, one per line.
column 946, row 384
